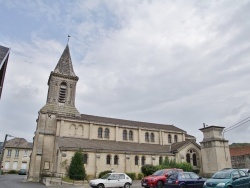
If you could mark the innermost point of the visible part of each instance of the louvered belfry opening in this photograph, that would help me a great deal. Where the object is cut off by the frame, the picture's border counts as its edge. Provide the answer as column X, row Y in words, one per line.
column 62, row 93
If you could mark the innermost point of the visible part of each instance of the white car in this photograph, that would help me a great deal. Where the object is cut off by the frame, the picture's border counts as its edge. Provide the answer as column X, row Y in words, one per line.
column 112, row 180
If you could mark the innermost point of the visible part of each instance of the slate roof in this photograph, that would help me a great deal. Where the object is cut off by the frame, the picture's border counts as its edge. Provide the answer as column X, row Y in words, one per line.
column 18, row 143
column 239, row 151
column 176, row 146
column 4, row 51
column 122, row 122
column 64, row 65
column 1, row 146
column 73, row 144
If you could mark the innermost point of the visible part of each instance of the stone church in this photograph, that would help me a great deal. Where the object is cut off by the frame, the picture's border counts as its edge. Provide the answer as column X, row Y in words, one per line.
column 107, row 143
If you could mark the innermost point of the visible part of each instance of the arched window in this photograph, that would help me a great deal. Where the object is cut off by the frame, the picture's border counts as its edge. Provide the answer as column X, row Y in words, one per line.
column 160, row 160
column 188, row 158
column 85, row 159
column 125, row 135
column 99, row 132
column 108, row 159
column 194, row 160
column 169, row 138
column 131, row 135
column 106, row 133
column 152, row 137
column 143, row 160
column 62, row 93
column 116, row 160
column 146, row 137
column 136, row 160
column 175, row 138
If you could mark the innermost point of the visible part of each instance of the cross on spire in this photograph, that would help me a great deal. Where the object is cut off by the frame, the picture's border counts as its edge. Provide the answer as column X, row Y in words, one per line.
column 68, row 38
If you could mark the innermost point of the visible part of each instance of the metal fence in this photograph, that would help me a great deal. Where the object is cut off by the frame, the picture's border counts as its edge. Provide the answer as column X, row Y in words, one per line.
column 61, row 178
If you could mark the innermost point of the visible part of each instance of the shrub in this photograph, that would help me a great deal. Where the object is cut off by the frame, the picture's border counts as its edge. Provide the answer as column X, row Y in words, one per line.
column 76, row 167
column 140, row 176
column 12, row 172
column 131, row 175
column 185, row 166
column 149, row 169
column 103, row 173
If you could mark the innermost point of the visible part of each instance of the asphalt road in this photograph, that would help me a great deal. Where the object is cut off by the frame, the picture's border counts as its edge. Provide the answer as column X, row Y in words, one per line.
column 19, row 181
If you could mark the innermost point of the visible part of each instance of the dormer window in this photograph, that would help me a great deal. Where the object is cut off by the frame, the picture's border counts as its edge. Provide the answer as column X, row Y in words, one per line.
column 62, row 93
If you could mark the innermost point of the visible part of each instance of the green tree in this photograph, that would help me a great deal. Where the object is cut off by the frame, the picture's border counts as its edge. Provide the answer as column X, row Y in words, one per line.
column 76, row 167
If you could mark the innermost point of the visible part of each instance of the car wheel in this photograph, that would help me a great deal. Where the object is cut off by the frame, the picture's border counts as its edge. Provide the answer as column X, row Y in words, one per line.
column 159, row 184
column 182, row 186
column 100, row 186
column 127, row 185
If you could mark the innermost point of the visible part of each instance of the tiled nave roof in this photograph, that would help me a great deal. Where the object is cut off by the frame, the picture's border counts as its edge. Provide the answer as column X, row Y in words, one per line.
column 122, row 122
column 73, row 144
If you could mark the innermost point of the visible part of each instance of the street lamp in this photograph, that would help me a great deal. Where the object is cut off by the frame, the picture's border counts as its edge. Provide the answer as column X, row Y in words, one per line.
column 2, row 153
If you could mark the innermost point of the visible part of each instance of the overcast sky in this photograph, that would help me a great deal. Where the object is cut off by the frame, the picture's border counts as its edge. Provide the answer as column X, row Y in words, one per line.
column 162, row 61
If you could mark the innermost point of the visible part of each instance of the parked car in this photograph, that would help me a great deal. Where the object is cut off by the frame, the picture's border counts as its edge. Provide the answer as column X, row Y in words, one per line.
column 112, row 180
column 185, row 180
column 158, row 178
column 229, row 178
column 246, row 170
column 22, row 172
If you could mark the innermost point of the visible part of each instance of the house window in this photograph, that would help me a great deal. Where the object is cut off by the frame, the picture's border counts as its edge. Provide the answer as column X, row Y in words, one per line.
column 175, row 138
column 108, row 159
column 131, row 135
column 188, row 158
column 160, row 160
column 125, row 135
column 106, row 133
column 17, row 153
column 143, row 159
column 116, row 159
column 99, row 132
column 62, row 93
column 85, row 159
column 136, row 160
column 25, row 153
column 146, row 137
column 152, row 137
column 169, row 138
column 9, row 153
column 194, row 160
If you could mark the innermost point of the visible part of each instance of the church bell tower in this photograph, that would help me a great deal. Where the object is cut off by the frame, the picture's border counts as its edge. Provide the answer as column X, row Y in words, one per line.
column 62, row 87
column 60, row 104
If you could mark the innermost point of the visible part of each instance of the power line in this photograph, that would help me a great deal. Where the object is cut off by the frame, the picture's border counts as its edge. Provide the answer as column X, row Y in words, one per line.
column 242, row 122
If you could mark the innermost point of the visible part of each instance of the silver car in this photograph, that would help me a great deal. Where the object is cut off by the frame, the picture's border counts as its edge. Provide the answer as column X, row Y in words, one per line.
column 112, row 180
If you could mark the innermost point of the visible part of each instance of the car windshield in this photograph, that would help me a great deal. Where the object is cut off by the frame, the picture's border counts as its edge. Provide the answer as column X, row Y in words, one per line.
column 159, row 173
column 105, row 176
column 221, row 175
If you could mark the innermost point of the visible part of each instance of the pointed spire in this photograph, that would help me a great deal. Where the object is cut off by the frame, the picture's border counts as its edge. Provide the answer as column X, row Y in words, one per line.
column 64, row 65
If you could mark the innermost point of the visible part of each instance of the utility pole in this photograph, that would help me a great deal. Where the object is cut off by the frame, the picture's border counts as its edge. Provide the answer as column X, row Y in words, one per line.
column 2, row 153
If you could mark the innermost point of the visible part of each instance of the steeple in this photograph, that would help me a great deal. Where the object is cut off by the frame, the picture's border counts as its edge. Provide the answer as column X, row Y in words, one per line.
column 64, row 65
column 62, row 87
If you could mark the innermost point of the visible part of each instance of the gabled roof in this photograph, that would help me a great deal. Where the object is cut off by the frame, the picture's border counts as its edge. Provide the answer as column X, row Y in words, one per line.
column 73, row 144
column 239, row 151
column 4, row 52
column 175, row 147
column 122, row 122
column 18, row 143
column 64, row 65
column 1, row 146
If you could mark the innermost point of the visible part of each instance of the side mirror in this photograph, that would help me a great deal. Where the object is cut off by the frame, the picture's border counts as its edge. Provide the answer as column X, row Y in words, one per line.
column 235, row 178
column 199, row 178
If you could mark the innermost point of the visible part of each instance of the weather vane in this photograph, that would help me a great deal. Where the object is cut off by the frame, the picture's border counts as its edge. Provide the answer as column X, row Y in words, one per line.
column 68, row 39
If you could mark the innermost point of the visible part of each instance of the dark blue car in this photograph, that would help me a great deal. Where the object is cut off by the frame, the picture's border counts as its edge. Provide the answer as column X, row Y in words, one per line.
column 185, row 180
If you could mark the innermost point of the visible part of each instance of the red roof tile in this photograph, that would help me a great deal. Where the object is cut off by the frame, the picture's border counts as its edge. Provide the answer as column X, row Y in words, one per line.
column 239, row 151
